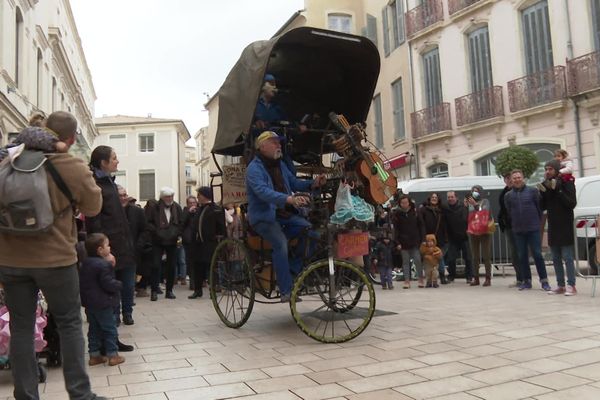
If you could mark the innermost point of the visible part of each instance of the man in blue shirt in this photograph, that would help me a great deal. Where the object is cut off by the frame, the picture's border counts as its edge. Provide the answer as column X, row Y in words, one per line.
column 270, row 187
column 268, row 113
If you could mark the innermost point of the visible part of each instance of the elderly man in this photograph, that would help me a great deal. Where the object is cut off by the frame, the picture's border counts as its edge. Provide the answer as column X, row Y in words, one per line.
column 271, row 205
column 559, row 203
column 49, row 262
column 165, row 221
column 523, row 206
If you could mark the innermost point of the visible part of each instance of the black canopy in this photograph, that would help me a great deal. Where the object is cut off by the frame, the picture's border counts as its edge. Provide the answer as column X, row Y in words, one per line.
column 317, row 71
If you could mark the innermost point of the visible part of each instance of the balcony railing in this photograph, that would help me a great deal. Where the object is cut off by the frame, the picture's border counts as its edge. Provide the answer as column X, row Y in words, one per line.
column 584, row 73
column 535, row 90
column 422, row 16
column 431, row 120
column 479, row 106
column 455, row 6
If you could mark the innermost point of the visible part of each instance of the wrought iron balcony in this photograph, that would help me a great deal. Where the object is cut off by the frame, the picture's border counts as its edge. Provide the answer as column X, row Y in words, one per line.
column 538, row 89
column 431, row 120
column 479, row 106
column 420, row 17
column 584, row 73
column 455, row 6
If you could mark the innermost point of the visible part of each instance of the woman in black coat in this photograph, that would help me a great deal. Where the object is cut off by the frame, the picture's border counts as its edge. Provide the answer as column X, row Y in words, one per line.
column 112, row 222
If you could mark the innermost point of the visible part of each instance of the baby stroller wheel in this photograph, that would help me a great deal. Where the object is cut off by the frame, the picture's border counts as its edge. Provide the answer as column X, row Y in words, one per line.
column 42, row 374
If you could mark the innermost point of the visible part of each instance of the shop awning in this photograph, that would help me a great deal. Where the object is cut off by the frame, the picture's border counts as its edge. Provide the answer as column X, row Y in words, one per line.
column 398, row 161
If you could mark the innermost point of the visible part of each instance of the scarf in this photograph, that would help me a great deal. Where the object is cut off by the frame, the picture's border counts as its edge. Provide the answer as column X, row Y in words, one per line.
column 273, row 167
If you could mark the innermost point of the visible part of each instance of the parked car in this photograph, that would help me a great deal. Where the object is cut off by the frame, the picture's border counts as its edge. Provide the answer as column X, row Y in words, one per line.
column 588, row 207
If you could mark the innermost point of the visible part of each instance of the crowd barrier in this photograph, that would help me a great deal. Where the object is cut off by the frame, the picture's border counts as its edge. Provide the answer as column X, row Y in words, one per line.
column 587, row 248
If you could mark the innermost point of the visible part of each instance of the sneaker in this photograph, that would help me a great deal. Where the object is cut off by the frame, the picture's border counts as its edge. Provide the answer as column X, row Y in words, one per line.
column 546, row 286
column 515, row 284
column 557, row 290
column 384, row 285
column 406, row 285
column 390, row 286
column 525, row 286
column 570, row 291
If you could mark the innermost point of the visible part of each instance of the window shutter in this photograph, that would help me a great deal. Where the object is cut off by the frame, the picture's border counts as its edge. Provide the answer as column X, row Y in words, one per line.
column 386, row 32
column 433, row 83
column 479, row 59
column 398, row 110
column 400, row 16
column 537, row 37
column 378, row 122
column 372, row 28
column 596, row 20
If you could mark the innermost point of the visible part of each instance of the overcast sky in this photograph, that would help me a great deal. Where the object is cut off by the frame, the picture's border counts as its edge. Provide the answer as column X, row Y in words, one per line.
column 160, row 56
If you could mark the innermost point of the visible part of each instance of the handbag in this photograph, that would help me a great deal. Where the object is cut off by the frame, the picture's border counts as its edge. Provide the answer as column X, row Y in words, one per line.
column 478, row 222
column 491, row 226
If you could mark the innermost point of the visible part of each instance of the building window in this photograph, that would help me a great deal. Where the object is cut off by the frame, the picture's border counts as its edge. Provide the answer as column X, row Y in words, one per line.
column 340, row 23
column 40, row 77
column 596, row 22
column 121, row 178
column 54, row 94
column 19, row 45
column 398, row 110
column 432, row 78
column 543, row 151
column 147, row 185
column 439, row 170
column 371, row 29
column 378, row 122
column 62, row 101
column 146, row 142
column 118, row 143
column 537, row 38
column 393, row 25
column 480, row 59
column 188, row 171
column 188, row 190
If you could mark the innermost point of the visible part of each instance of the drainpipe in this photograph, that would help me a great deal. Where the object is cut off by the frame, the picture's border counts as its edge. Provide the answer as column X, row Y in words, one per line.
column 573, row 99
column 412, row 96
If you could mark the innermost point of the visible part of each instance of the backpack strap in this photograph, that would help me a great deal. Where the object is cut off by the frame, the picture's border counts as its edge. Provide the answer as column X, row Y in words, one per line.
column 60, row 183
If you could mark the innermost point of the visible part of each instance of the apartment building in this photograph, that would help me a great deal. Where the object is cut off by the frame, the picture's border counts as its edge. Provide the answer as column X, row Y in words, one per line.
column 461, row 80
column 191, row 172
column 151, row 153
column 43, row 68
column 202, row 157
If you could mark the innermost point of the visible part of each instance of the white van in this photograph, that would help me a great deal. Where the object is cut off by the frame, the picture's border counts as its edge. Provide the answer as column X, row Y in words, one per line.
column 588, row 205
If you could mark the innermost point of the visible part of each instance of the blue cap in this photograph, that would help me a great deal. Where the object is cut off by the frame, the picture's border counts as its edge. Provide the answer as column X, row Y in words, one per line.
column 269, row 78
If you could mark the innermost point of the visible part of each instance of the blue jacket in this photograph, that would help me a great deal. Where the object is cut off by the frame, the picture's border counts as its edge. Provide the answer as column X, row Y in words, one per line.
column 97, row 284
column 263, row 200
column 523, row 206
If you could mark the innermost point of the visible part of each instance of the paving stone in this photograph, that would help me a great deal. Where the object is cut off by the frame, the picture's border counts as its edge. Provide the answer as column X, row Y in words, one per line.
column 510, row 391
column 439, row 387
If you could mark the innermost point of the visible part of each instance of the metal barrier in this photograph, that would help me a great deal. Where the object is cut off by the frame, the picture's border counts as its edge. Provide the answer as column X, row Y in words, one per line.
column 587, row 245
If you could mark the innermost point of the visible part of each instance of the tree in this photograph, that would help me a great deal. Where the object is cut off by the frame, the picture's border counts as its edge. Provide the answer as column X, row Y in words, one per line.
column 517, row 157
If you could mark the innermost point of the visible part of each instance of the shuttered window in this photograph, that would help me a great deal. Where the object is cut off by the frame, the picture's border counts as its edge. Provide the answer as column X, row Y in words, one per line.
column 147, row 185
column 596, row 22
column 479, row 59
column 371, row 31
column 537, row 37
column 396, row 10
column 431, row 73
column 378, row 122
column 386, row 31
column 398, row 110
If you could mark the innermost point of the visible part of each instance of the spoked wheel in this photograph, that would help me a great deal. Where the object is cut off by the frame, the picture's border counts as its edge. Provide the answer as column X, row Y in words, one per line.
column 230, row 281
column 333, row 309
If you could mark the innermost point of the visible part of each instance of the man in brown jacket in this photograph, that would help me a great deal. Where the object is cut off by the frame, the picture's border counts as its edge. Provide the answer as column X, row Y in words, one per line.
column 48, row 262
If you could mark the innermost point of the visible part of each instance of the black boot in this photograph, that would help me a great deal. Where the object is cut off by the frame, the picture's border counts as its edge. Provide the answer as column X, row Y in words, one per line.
column 196, row 294
column 124, row 347
column 170, row 295
column 443, row 279
column 153, row 296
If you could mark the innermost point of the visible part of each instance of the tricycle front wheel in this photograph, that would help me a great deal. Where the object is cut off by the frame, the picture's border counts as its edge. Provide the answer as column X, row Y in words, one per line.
column 332, row 308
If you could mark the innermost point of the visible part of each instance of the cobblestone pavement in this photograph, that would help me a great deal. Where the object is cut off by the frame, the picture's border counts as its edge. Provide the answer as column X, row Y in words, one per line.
column 455, row 342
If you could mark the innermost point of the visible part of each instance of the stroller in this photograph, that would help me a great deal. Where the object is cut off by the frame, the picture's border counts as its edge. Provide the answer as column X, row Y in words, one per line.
column 44, row 348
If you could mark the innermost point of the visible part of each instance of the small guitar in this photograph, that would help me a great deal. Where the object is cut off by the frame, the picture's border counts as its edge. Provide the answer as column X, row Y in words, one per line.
column 381, row 185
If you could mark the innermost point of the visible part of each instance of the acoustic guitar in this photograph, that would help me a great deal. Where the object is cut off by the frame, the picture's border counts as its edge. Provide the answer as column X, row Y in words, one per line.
column 381, row 185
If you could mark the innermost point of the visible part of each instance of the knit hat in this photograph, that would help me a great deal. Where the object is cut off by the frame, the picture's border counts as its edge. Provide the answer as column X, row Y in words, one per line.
column 166, row 191
column 205, row 192
column 553, row 164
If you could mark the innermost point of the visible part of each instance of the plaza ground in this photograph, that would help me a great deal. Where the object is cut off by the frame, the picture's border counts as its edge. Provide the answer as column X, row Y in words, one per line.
column 456, row 342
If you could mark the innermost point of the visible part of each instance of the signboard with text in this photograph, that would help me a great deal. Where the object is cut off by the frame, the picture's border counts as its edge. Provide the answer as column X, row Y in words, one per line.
column 234, row 184
column 353, row 244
